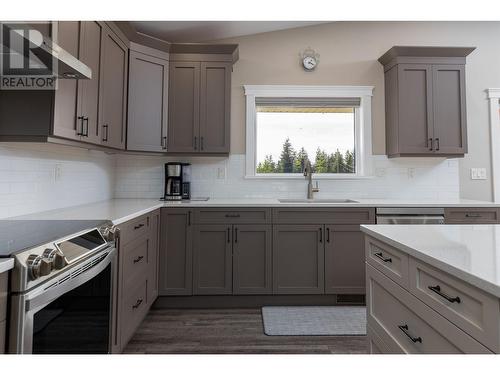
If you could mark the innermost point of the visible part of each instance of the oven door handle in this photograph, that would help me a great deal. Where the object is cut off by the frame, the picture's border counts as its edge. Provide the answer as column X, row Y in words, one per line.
column 39, row 298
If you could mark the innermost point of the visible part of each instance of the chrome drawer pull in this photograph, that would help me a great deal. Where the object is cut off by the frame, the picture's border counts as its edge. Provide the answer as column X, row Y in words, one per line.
column 138, row 226
column 437, row 289
column 404, row 328
column 232, row 215
column 138, row 259
column 381, row 257
column 137, row 304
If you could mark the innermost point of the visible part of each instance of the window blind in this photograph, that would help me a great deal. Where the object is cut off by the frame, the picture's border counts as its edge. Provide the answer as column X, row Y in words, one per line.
column 307, row 102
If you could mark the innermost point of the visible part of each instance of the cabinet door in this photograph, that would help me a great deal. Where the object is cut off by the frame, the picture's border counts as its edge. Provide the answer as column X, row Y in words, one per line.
column 154, row 236
column 176, row 257
column 184, row 104
column 344, row 260
column 88, row 89
column 252, row 259
column 298, row 259
column 448, row 83
column 215, row 107
column 212, row 257
column 65, row 123
column 113, row 93
column 415, row 108
column 147, row 103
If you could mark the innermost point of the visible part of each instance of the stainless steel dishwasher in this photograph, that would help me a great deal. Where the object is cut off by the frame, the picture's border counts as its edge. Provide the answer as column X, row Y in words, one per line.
column 410, row 215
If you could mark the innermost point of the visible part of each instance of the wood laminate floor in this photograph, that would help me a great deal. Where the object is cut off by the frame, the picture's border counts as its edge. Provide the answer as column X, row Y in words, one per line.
column 228, row 331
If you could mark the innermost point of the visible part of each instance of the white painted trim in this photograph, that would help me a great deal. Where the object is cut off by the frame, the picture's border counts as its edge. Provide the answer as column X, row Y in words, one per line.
column 494, row 107
column 363, row 122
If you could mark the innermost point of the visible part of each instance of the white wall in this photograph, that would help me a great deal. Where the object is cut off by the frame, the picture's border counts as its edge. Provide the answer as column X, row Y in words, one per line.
column 28, row 182
column 349, row 53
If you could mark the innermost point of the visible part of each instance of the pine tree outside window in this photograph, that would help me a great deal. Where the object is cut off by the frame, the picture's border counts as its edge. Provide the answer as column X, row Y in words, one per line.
column 328, row 125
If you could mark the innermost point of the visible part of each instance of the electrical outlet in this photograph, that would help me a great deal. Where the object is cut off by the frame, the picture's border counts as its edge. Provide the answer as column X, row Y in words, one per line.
column 57, row 172
column 221, row 173
column 478, row 174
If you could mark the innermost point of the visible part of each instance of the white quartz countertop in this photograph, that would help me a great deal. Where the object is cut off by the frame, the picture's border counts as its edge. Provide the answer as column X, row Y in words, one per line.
column 6, row 264
column 468, row 252
column 121, row 210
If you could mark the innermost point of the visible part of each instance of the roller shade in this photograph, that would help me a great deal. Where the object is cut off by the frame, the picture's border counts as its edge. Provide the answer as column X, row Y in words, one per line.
column 307, row 102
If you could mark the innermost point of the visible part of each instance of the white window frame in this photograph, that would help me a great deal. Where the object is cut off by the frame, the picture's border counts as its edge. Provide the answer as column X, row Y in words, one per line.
column 494, row 107
column 362, row 132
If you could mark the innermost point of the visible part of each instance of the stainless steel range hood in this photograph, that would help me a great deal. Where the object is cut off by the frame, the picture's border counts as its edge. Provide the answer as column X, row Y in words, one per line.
column 50, row 54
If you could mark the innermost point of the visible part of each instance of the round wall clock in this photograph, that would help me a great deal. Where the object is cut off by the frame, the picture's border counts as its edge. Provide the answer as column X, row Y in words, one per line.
column 309, row 59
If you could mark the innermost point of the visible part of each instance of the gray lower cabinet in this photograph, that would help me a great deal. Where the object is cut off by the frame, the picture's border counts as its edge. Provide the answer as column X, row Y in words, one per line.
column 176, row 252
column 472, row 215
column 252, row 259
column 3, row 309
column 425, row 101
column 344, row 260
column 147, row 101
column 212, row 259
column 298, row 259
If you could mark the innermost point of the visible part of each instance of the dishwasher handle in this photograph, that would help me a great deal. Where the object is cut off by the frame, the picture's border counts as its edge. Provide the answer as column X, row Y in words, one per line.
column 410, row 219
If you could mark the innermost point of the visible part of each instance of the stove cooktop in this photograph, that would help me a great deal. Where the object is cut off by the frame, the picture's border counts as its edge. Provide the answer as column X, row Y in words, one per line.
column 18, row 235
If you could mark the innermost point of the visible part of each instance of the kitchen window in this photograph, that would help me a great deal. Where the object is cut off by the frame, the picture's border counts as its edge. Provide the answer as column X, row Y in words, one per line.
column 329, row 125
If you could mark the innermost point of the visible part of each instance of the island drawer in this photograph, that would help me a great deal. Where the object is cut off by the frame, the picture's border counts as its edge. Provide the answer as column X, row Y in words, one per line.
column 133, row 229
column 135, row 257
column 388, row 260
column 232, row 216
column 406, row 324
column 324, row 215
column 472, row 310
column 473, row 215
column 376, row 345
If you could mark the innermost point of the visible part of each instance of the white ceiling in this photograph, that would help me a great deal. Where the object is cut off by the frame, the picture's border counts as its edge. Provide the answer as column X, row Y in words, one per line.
column 202, row 31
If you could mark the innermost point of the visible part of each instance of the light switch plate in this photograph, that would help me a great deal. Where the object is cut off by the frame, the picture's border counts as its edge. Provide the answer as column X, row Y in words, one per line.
column 478, row 174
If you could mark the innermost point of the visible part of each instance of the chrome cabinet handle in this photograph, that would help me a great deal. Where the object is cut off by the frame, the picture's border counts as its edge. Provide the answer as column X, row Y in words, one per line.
column 429, row 144
column 235, row 235
column 437, row 144
column 328, row 235
column 138, row 259
column 138, row 226
column 381, row 257
column 81, row 126
column 472, row 215
column 196, row 143
column 189, row 218
column 228, row 235
column 201, row 143
column 164, row 143
column 404, row 328
column 437, row 289
column 232, row 215
column 137, row 304
column 86, row 121
column 320, row 235
column 105, row 137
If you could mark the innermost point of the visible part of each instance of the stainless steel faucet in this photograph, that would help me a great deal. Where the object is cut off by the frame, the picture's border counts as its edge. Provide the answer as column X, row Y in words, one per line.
column 308, row 174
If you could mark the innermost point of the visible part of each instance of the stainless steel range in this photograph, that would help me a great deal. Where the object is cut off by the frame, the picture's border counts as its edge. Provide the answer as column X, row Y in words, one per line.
column 62, row 296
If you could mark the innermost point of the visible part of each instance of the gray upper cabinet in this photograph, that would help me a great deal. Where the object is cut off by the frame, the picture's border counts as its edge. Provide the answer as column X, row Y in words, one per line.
column 425, row 101
column 215, row 107
column 184, row 107
column 147, row 100
column 298, row 259
column 113, row 89
column 176, row 252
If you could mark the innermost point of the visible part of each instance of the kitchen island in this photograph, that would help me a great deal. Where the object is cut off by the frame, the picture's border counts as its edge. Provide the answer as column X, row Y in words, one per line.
column 433, row 288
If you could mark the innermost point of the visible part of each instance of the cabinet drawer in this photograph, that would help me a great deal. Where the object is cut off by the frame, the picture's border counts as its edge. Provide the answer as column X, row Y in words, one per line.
column 135, row 260
column 469, row 308
column 388, row 260
column 406, row 323
column 471, row 215
column 376, row 345
column 133, row 229
column 232, row 216
column 324, row 215
column 134, row 308
column 3, row 295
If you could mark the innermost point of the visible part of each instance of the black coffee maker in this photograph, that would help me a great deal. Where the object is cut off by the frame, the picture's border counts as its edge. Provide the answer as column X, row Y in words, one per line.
column 177, row 181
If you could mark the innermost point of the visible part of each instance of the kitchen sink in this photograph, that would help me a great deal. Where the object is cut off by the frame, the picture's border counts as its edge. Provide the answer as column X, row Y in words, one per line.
column 317, row 201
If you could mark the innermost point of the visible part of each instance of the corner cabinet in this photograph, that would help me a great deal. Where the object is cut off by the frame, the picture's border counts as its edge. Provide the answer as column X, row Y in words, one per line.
column 199, row 102
column 147, row 99
column 425, row 104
